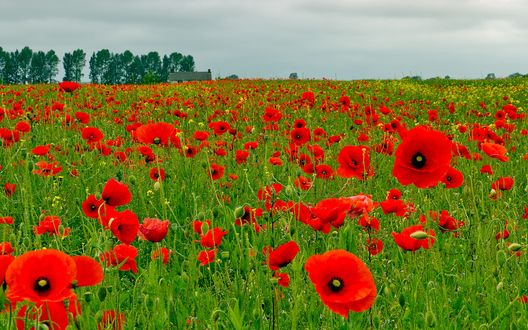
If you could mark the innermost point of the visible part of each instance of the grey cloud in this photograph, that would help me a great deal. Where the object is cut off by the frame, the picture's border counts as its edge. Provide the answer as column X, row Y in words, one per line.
column 333, row 38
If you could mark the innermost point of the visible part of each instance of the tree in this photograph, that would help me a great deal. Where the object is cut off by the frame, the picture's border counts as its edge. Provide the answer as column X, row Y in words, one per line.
column 175, row 61
column 73, row 65
column 11, row 73
column 67, row 63
column 490, row 76
column 515, row 75
column 127, row 58
column 152, row 67
column 37, row 71
column 51, row 69
column 136, row 70
column 24, row 64
column 294, row 76
column 187, row 64
column 99, row 65
column 94, row 73
column 2, row 64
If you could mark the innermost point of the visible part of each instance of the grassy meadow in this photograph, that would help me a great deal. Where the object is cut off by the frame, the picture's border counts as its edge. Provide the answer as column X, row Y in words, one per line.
column 208, row 167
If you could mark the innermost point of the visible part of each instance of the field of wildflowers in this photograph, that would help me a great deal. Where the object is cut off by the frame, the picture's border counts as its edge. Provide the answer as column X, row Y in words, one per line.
column 265, row 204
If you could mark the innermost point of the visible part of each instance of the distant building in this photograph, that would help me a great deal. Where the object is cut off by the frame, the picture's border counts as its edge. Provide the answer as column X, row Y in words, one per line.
column 189, row 76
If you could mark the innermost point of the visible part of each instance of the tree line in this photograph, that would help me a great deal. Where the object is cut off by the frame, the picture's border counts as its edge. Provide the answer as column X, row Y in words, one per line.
column 105, row 67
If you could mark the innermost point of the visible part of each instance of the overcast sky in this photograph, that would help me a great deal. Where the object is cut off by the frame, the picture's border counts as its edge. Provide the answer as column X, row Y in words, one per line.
column 336, row 39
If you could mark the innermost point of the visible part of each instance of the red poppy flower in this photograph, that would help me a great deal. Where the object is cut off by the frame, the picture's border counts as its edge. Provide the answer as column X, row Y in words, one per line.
column 276, row 161
column 216, row 172
column 51, row 225
column 212, row 237
column 47, row 169
column 6, row 248
column 282, row 279
column 446, row 222
column 121, row 253
column 369, row 223
column 271, row 115
column 282, row 256
column 124, row 225
column 207, row 256
column 42, row 275
column 116, row 193
column 414, row 237
column 156, row 133
column 422, row 158
column 92, row 135
column 324, row 171
column 354, row 162
column 342, row 280
column 300, row 135
column 303, row 183
column 374, row 246
column 69, row 86
column 396, row 206
column 201, row 135
column 153, row 230
column 41, row 150
column 495, row 151
column 394, row 194
column 162, row 252
column 23, row 127
column 92, row 207
column 112, row 319
column 241, row 156
column 308, row 98
column 486, row 169
column 298, row 123
column 5, row 261
column 10, row 189
column 6, row 220
column 220, row 127
column 157, row 174
column 82, row 117
column 503, row 183
column 9, row 137
column 453, row 178
column 55, row 314
column 198, row 226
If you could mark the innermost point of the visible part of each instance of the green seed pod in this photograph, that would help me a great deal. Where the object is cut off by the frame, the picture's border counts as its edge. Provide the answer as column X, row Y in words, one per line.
column 101, row 294
column 239, row 212
column 514, row 247
column 419, row 234
column 430, row 319
column 501, row 257
column 401, row 300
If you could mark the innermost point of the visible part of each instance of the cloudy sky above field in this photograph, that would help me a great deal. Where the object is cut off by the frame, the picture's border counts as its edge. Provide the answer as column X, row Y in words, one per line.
column 271, row 38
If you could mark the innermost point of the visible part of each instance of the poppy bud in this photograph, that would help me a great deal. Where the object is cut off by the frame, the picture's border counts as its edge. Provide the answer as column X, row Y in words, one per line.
column 239, row 212
column 419, row 234
column 224, row 254
column 501, row 257
column 514, row 247
column 430, row 319
column 500, row 285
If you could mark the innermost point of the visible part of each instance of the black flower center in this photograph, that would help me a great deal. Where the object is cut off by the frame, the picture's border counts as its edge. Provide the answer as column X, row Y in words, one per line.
column 42, row 285
column 336, row 284
column 418, row 161
column 157, row 140
column 93, row 207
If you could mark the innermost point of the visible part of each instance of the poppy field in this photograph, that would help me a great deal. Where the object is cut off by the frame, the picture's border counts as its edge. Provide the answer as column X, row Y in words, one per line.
column 265, row 205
